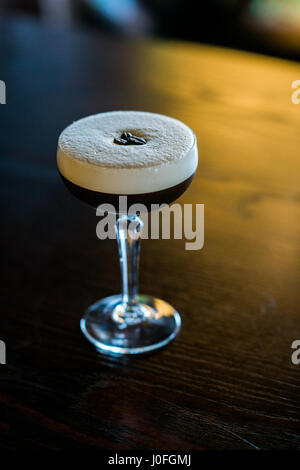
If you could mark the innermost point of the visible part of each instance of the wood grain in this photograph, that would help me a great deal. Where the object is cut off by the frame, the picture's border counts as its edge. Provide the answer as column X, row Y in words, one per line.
column 227, row 382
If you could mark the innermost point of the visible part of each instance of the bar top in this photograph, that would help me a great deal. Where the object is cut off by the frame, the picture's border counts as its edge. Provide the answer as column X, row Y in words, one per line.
column 227, row 381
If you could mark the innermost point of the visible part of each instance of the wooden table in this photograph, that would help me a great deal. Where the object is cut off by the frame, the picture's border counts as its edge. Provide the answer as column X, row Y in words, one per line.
column 227, row 381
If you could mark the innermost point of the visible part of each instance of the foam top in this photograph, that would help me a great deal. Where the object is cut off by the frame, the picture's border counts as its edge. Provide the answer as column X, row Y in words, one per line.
column 89, row 157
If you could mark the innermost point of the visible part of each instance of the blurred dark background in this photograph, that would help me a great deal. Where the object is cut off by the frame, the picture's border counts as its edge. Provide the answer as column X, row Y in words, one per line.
column 264, row 26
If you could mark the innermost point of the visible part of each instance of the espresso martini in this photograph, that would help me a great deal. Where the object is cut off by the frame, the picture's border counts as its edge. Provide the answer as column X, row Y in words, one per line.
column 151, row 159
column 148, row 157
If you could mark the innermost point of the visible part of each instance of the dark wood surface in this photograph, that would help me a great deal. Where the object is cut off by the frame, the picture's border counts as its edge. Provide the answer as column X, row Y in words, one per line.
column 227, row 381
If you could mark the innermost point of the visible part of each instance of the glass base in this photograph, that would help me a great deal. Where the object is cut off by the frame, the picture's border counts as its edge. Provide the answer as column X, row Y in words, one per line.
column 151, row 324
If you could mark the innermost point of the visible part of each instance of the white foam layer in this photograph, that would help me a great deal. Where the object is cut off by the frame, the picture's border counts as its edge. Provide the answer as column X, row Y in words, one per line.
column 87, row 155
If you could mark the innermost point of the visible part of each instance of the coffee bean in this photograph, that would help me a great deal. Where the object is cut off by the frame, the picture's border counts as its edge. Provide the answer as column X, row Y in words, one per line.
column 136, row 141
column 126, row 135
column 128, row 139
column 119, row 141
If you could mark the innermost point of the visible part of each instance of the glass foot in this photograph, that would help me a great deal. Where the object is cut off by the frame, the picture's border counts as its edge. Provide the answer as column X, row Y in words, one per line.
column 150, row 324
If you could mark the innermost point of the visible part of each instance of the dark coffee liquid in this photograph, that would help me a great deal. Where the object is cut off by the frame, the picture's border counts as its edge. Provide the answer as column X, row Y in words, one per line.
column 95, row 198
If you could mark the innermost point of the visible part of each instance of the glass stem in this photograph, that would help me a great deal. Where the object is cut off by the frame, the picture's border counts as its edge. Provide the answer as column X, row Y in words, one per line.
column 129, row 233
